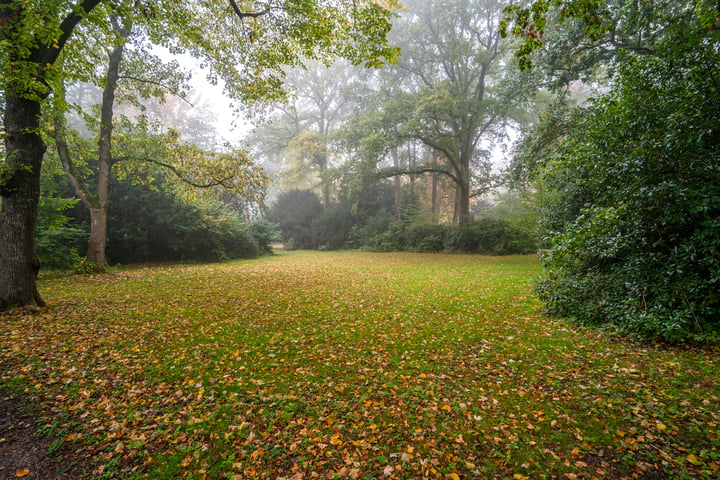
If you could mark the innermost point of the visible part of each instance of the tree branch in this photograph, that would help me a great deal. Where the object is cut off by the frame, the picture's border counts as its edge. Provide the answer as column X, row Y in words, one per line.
column 223, row 182
column 243, row 15
column 394, row 172
column 63, row 152
column 47, row 54
column 159, row 84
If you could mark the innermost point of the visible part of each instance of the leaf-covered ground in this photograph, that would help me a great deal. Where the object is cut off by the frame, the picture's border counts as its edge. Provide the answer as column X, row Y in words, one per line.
column 352, row 365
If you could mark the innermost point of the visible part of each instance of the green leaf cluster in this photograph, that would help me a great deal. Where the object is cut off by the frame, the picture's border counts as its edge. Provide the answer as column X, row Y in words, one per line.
column 633, row 220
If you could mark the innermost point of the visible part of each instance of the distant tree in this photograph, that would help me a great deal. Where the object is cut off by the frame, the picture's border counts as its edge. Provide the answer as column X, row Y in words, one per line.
column 298, row 136
column 453, row 90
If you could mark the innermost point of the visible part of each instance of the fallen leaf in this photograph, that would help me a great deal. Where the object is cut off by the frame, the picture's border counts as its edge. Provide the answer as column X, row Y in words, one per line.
column 22, row 472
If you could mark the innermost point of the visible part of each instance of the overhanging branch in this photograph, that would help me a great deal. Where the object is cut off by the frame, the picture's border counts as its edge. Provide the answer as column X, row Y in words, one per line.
column 222, row 182
column 159, row 84
column 243, row 15
column 394, row 172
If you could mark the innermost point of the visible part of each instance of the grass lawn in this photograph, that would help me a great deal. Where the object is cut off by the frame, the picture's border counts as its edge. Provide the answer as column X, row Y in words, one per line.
column 352, row 365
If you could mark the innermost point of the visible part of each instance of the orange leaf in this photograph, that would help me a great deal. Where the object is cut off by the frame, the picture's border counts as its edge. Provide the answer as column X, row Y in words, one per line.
column 22, row 472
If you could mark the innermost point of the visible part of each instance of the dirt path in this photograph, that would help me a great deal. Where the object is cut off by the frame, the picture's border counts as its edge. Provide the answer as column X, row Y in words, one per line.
column 23, row 453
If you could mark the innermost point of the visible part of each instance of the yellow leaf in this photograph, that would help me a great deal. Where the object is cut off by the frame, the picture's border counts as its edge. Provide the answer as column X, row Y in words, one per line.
column 454, row 476
column 694, row 460
column 520, row 476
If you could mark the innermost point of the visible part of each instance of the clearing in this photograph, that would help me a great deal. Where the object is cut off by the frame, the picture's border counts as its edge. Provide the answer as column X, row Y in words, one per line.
column 347, row 365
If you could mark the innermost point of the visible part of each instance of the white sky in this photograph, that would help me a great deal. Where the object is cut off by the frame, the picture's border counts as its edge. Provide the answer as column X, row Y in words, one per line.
column 229, row 125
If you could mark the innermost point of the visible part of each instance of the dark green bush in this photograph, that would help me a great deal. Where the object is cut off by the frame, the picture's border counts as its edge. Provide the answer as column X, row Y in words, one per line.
column 293, row 213
column 265, row 234
column 150, row 225
column 426, row 237
column 491, row 236
column 331, row 229
column 390, row 240
column 58, row 240
column 634, row 219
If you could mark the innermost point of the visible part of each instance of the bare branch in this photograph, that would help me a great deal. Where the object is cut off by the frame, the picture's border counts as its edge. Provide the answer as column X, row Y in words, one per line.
column 159, row 84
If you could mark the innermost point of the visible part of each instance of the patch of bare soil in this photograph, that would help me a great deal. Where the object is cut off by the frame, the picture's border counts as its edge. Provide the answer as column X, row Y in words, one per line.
column 24, row 453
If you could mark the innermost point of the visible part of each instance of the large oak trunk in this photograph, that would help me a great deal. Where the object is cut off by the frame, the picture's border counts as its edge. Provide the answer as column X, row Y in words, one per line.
column 20, row 189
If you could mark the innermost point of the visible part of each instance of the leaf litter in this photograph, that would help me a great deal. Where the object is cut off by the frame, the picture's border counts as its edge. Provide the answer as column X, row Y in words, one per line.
column 352, row 365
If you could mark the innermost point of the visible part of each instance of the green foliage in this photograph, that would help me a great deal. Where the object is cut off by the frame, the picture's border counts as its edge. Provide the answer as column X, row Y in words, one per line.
column 147, row 224
column 294, row 213
column 633, row 219
column 391, row 239
column 426, row 237
column 57, row 239
column 332, row 227
column 265, row 234
column 491, row 236
column 369, row 225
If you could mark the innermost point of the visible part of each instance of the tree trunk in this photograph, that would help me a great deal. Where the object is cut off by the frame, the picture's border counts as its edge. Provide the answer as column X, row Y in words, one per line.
column 98, row 213
column 96, row 204
column 434, row 198
column 463, row 203
column 24, row 147
column 20, row 189
column 396, row 184
column 98, row 234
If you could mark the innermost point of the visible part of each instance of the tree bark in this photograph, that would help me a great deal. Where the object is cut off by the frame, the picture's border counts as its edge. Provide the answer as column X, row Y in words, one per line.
column 20, row 189
column 96, row 204
column 98, row 213
column 396, row 182
column 24, row 150
column 463, row 203
column 434, row 198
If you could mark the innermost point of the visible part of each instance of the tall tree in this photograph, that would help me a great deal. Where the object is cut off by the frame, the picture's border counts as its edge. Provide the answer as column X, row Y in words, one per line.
column 299, row 135
column 232, row 172
column 245, row 44
column 30, row 43
column 457, row 92
column 97, row 202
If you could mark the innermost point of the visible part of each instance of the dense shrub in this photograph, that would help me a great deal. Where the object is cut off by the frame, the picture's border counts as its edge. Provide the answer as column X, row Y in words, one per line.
column 331, row 229
column 364, row 235
column 391, row 239
column 146, row 225
column 634, row 220
column 491, row 236
column 265, row 234
column 58, row 240
column 426, row 237
column 293, row 213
